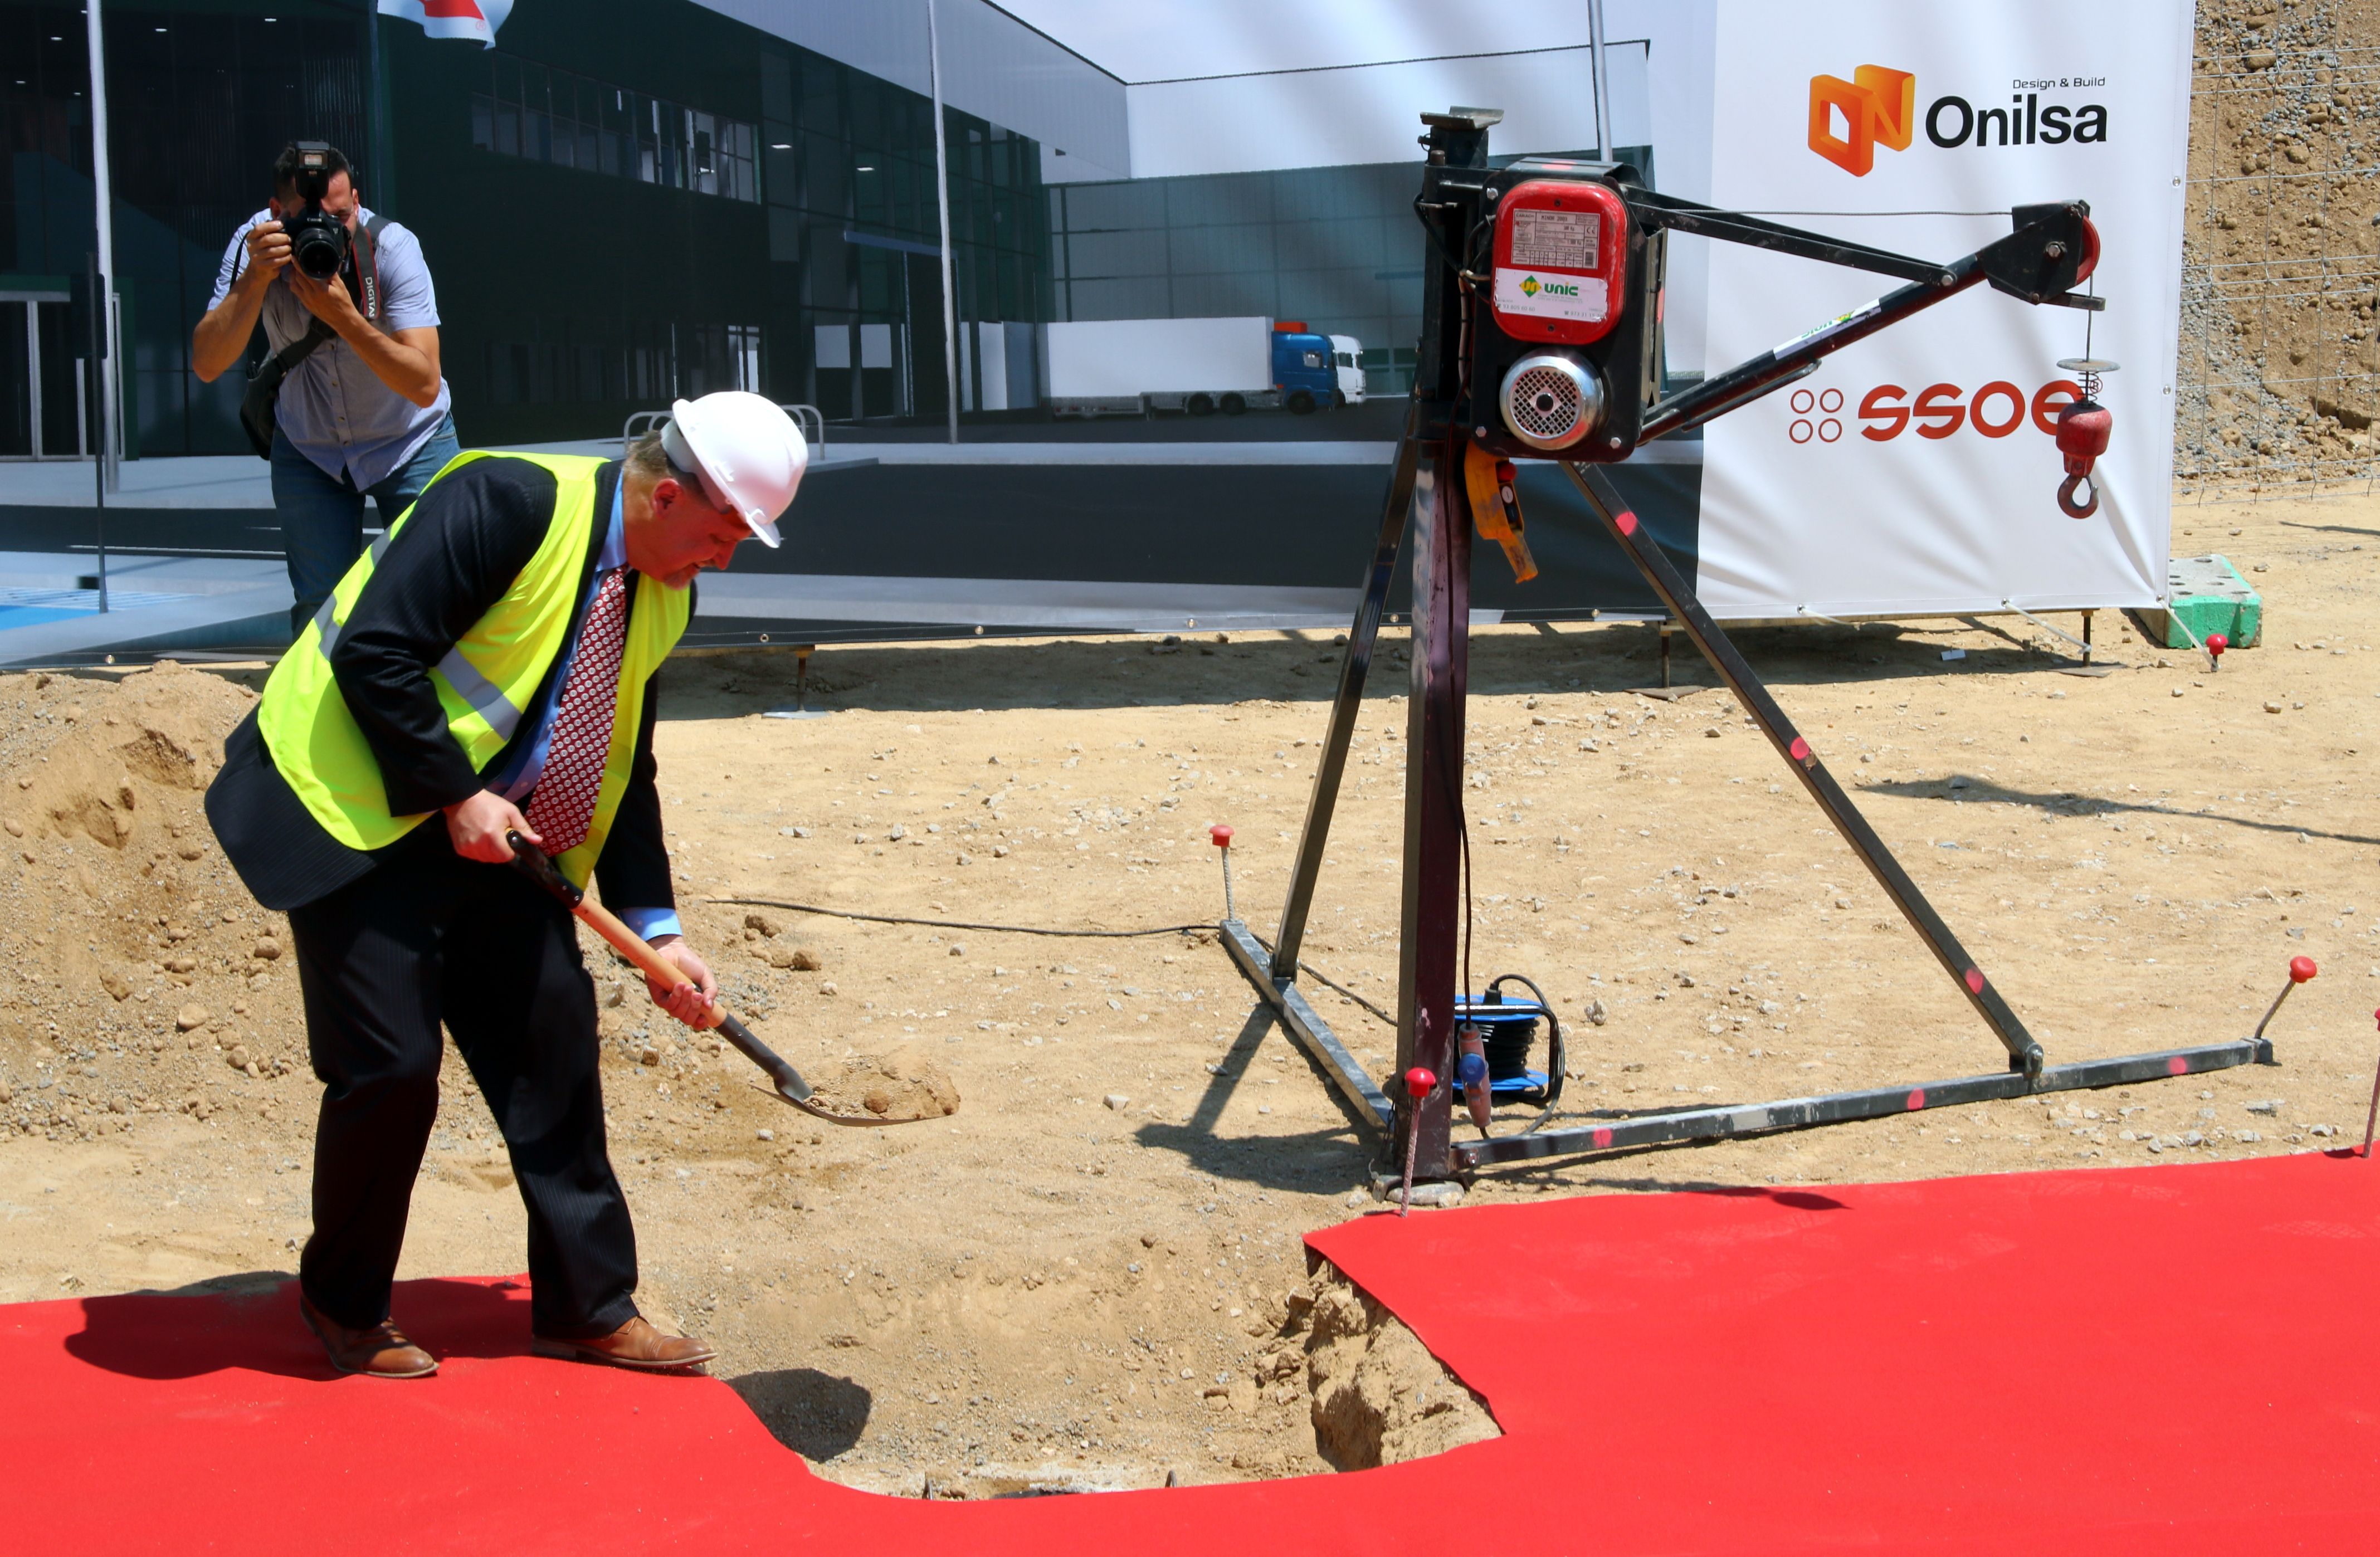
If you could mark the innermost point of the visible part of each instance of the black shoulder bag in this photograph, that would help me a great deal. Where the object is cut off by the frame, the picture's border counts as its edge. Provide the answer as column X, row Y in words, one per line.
column 257, row 406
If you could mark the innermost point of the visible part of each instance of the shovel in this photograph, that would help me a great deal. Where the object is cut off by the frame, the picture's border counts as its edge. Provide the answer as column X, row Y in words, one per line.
column 534, row 863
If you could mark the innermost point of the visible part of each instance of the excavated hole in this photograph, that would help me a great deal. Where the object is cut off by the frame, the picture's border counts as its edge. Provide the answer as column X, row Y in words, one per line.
column 1374, row 1396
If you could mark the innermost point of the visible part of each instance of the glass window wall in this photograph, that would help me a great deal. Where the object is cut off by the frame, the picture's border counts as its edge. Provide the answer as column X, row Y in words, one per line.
column 548, row 116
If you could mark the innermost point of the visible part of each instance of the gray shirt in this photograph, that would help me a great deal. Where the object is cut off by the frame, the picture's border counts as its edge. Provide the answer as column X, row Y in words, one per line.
column 334, row 409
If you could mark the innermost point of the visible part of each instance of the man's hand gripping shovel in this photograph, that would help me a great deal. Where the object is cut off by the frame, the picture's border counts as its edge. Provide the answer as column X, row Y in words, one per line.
column 533, row 863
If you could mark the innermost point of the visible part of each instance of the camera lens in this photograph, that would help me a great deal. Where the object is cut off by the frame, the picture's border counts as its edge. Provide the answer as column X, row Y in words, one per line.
column 318, row 256
column 318, row 242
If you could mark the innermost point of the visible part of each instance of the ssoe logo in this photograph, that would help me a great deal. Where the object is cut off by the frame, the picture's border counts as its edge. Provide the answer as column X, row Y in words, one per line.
column 1937, row 411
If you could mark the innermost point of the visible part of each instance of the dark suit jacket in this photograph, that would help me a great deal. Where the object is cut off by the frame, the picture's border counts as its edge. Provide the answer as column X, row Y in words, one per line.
column 469, row 537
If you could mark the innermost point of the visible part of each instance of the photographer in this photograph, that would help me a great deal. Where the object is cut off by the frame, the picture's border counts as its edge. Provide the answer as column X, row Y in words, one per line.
column 362, row 411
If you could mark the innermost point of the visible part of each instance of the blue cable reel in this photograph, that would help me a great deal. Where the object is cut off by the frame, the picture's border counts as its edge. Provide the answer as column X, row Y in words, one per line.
column 1509, row 1030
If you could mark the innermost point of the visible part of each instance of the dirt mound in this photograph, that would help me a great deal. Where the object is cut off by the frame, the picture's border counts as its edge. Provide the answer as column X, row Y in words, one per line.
column 153, row 984
column 1379, row 1397
column 901, row 1084
column 88, row 749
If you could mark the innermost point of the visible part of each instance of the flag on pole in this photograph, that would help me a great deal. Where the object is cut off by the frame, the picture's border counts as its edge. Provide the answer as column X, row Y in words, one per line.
column 474, row 19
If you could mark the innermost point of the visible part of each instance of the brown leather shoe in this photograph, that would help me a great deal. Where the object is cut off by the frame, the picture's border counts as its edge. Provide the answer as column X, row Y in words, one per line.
column 382, row 1352
column 634, row 1344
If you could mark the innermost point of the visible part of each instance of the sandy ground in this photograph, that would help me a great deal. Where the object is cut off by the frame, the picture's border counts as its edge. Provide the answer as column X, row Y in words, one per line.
column 1080, row 1278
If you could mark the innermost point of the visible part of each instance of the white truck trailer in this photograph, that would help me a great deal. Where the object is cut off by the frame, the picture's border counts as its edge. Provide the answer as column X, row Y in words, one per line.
column 1131, row 367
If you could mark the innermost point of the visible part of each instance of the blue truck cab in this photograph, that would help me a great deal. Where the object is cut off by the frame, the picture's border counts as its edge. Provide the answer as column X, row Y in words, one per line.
column 1303, row 372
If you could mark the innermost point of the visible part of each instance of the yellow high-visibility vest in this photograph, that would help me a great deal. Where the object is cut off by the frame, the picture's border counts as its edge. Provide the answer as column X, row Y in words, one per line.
column 485, row 683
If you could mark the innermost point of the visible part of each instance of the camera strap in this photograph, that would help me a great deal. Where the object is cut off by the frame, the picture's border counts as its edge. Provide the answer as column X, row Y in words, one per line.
column 258, row 407
column 367, row 245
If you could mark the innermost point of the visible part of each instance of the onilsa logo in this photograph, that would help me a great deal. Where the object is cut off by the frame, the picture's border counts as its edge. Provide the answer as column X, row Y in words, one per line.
column 1879, row 108
column 1876, row 107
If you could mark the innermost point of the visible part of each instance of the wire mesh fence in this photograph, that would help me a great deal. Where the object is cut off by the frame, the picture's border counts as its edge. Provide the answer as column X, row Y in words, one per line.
column 2277, row 386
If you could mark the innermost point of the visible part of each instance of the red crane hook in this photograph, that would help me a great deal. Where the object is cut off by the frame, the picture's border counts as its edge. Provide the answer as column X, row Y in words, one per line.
column 2083, row 428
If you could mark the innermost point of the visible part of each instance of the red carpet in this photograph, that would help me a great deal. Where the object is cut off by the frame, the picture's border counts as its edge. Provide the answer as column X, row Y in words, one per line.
column 2173, row 1360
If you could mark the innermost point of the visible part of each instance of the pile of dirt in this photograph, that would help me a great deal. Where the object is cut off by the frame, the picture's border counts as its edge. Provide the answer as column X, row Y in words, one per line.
column 152, row 983
column 902, row 1084
column 85, row 753
column 1380, row 1398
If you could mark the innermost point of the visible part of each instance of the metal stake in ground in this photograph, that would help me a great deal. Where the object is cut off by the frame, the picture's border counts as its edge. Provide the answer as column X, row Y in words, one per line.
column 801, row 709
column 1418, row 1085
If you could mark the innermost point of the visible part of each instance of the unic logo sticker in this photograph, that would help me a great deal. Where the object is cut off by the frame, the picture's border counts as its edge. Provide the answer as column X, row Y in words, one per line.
column 1529, row 285
column 1879, row 108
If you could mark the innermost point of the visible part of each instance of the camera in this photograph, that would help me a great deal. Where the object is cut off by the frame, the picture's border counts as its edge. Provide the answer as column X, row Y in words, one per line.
column 318, row 240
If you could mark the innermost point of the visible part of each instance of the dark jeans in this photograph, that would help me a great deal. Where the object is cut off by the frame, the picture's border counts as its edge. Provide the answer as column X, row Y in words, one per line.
column 323, row 516
column 426, row 937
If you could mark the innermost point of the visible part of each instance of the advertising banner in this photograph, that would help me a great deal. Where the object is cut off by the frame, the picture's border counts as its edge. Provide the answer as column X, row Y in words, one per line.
column 1916, row 472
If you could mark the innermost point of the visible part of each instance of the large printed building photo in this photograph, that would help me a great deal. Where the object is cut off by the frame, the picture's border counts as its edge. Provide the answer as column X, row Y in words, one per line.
column 1124, row 337
column 625, row 203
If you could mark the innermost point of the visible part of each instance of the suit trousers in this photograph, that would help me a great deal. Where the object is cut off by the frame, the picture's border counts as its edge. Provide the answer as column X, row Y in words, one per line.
column 429, row 937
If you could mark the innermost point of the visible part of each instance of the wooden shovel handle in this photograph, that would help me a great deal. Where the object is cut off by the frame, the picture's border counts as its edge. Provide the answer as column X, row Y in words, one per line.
column 638, row 950
column 539, row 866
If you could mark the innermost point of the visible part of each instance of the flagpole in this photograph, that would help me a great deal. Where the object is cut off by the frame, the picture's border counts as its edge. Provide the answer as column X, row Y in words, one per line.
column 104, row 280
column 942, row 203
column 375, row 119
column 1601, row 77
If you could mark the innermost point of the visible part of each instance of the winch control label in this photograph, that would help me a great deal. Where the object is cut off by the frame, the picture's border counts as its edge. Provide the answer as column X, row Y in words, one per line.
column 1553, row 295
column 1563, row 240
column 1560, row 259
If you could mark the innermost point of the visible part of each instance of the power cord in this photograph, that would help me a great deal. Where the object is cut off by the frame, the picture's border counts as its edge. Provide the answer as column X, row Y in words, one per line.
column 959, row 924
column 1303, row 966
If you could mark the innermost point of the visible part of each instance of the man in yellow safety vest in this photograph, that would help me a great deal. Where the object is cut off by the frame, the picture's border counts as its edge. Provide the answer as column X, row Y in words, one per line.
column 487, row 666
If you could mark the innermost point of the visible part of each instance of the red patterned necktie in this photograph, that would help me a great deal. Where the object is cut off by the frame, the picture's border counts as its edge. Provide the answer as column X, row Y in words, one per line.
column 565, row 801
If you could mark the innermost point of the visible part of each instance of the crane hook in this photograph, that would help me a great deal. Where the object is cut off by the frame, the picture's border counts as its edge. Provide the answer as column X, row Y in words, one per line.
column 2083, row 428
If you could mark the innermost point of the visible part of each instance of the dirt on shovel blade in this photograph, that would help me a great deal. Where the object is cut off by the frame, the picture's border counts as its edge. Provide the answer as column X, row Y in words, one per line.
column 899, row 1085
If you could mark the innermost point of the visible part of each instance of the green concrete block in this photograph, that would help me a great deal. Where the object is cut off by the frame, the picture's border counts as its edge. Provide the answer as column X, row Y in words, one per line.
column 2207, row 595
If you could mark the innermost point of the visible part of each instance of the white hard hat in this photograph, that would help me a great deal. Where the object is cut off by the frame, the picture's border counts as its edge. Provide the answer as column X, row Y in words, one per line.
column 744, row 449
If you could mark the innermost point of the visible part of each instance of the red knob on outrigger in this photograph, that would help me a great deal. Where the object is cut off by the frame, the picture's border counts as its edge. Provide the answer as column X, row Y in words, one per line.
column 1219, row 834
column 2301, row 970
